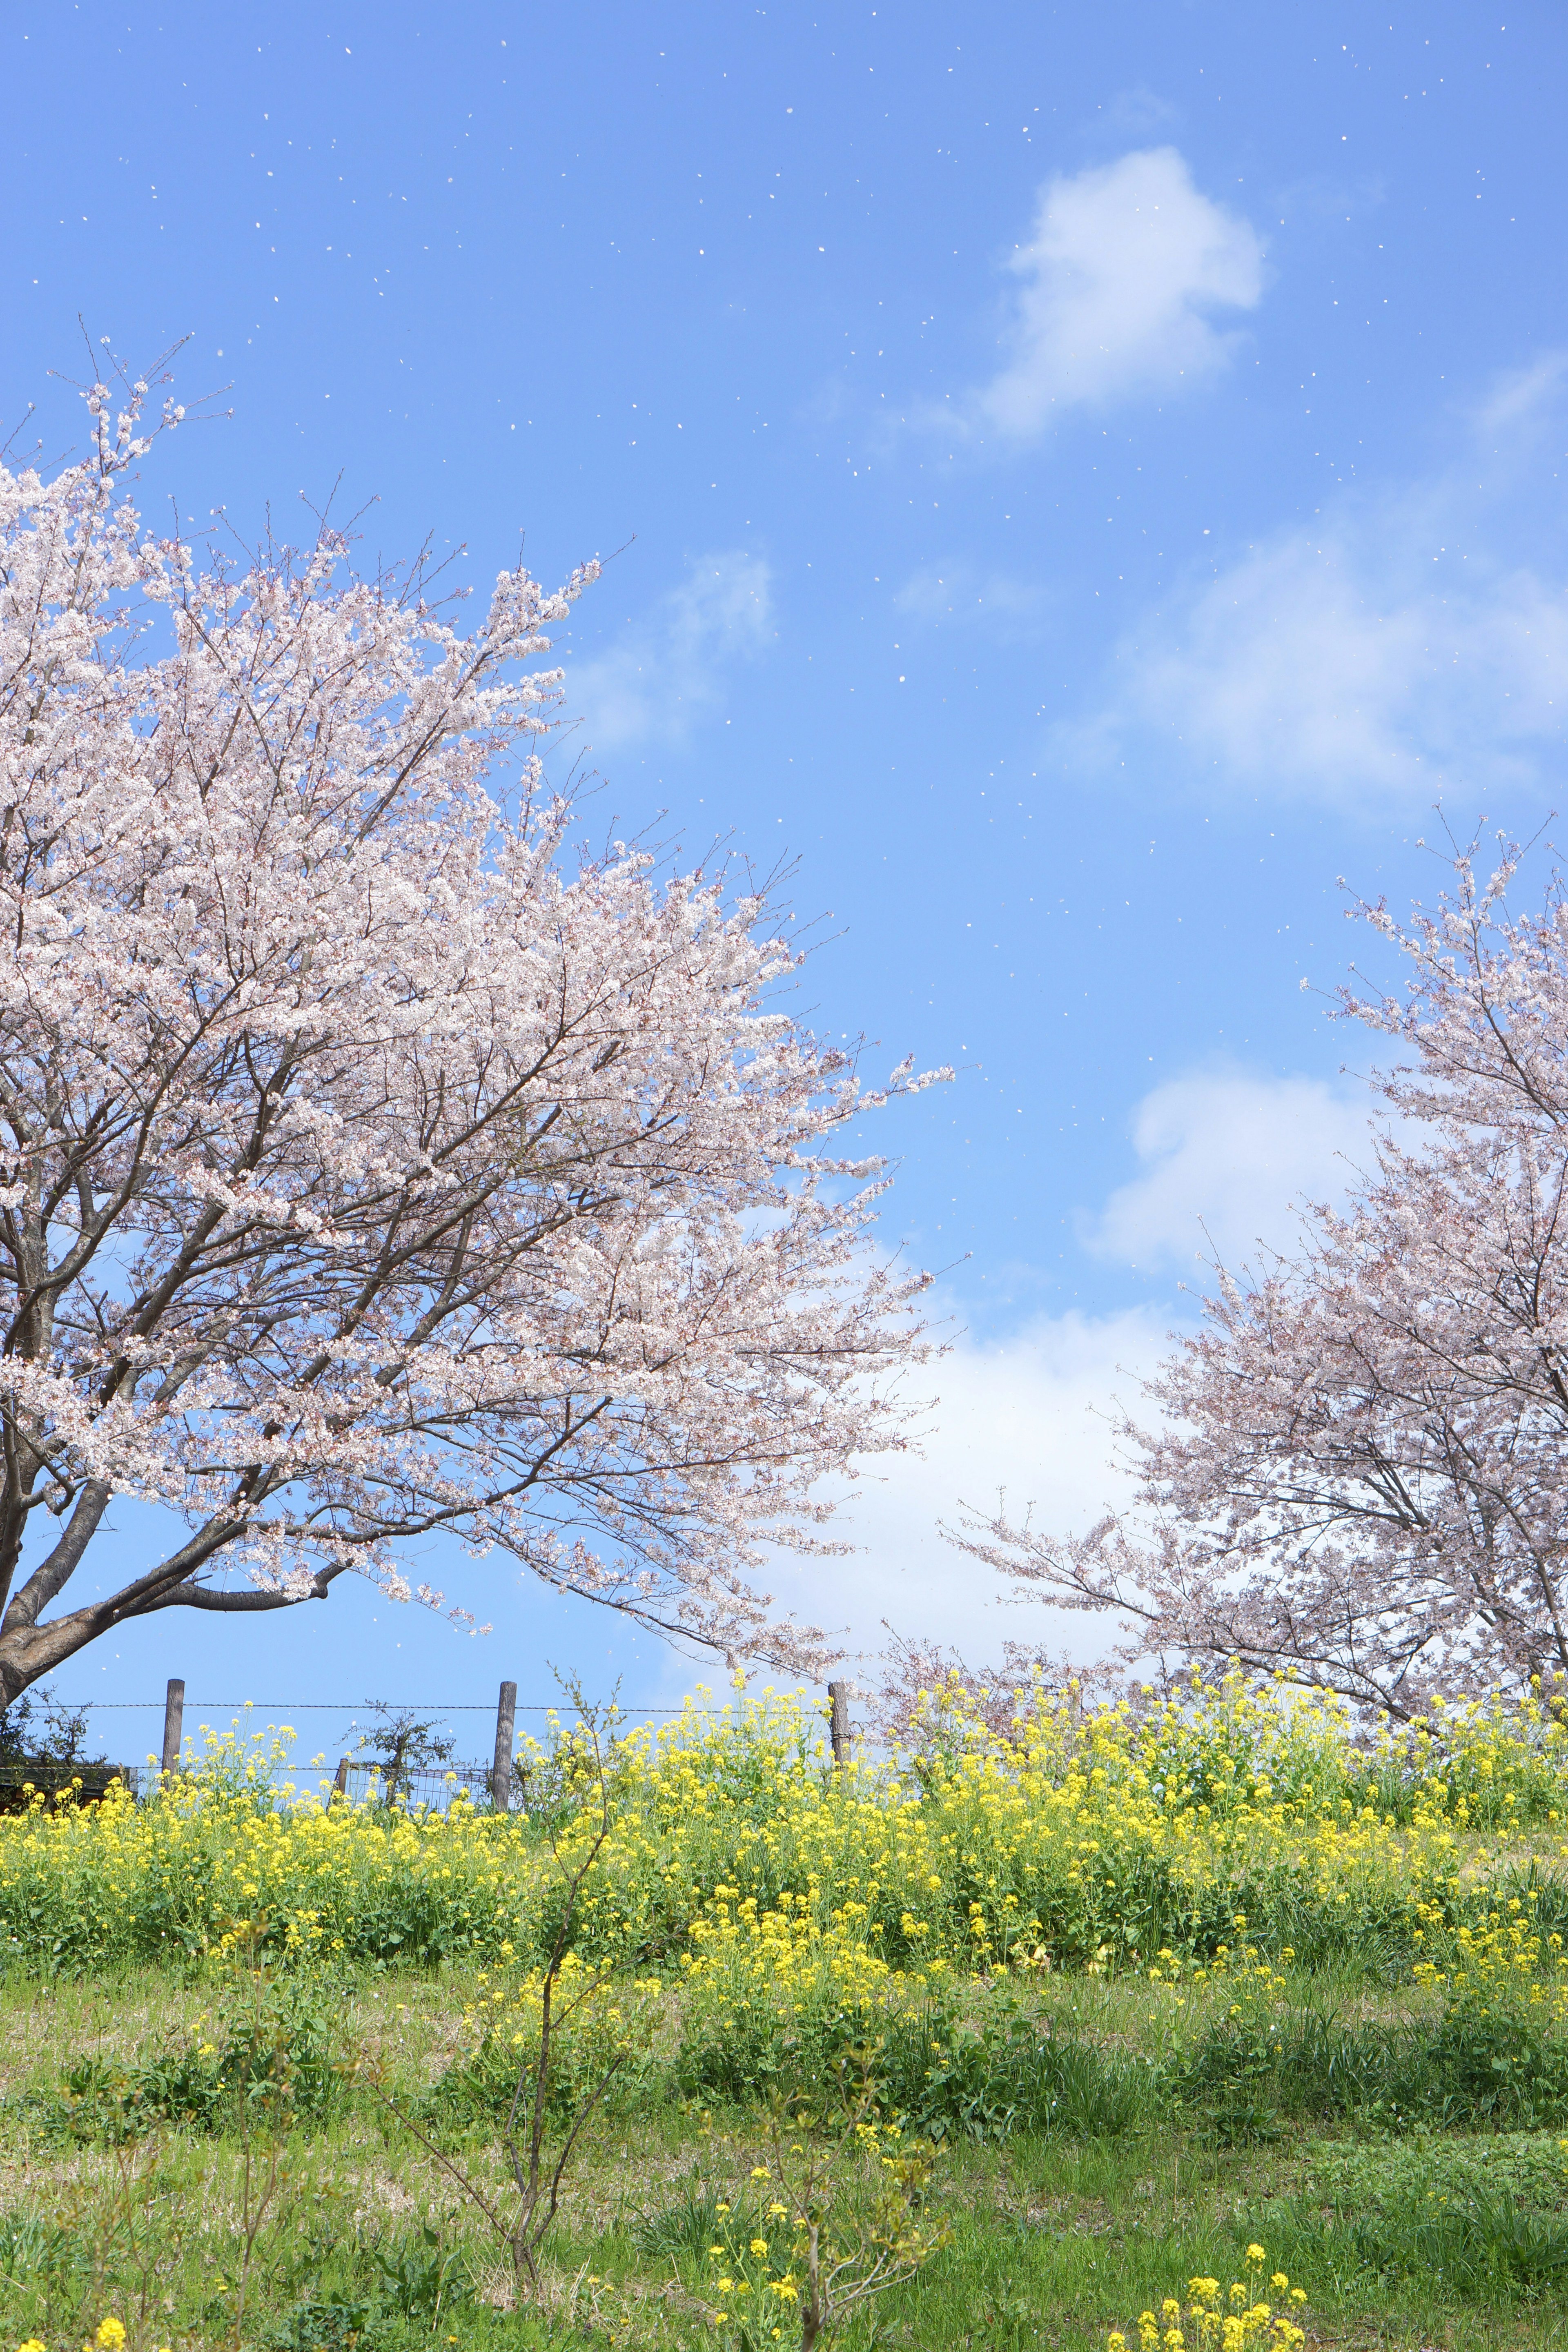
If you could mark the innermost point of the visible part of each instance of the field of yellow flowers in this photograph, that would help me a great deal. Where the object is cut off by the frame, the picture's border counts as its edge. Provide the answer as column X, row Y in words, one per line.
column 1083, row 1843
column 1017, row 2037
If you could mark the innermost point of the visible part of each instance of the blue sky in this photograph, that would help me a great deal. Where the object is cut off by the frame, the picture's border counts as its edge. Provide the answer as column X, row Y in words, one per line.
column 1084, row 479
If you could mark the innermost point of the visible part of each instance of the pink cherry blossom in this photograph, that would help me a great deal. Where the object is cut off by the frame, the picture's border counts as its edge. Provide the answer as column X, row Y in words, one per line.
column 375, row 1165
column 1358, row 1472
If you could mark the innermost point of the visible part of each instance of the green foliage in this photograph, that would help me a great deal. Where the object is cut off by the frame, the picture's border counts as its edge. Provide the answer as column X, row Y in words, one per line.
column 329, row 2324
column 401, row 1742
column 1247, row 2076
column 1006, row 2070
column 480, row 2087
column 271, row 2056
column 1485, row 2246
column 746, row 2050
column 420, row 2278
column 34, row 2249
column 39, row 1729
column 1356, row 2176
column 688, row 2227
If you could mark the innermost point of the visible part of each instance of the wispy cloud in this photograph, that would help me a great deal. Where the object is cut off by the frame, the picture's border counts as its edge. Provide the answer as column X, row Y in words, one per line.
column 1390, row 650
column 1118, row 290
column 940, row 593
column 669, row 669
column 1524, row 397
column 1135, row 113
column 1225, row 1154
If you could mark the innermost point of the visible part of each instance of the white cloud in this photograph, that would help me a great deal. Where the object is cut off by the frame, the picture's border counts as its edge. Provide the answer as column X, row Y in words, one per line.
column 1385, row 653
column 1127, row 263
column 1357, row 661
column 665, row 671
column 1225, row 1156
column 1034, row 1413
column 1031, row 1413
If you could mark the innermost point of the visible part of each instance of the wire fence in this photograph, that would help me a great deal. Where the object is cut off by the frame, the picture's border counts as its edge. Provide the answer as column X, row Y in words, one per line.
column 17, row 1781
column 415, row 1787
column 363, row 1743
column 424, row 1787
column 409, row 1771
column 421, row 1707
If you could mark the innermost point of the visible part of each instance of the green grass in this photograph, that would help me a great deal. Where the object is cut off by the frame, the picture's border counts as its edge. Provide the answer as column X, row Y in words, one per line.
column 1140, row 2164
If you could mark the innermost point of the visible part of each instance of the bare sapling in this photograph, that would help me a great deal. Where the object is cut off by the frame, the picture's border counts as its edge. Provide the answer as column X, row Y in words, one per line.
column 556, row 1993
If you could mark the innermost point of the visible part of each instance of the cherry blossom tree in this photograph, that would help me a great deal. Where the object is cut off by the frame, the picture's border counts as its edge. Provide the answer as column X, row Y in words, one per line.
column 1359, row 1470
column 375, row 1167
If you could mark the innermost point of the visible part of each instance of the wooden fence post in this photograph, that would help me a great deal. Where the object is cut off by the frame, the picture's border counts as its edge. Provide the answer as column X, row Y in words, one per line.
column 341, row 1782
column 843, row 1738
column 501, row 1775
column 174, row 1721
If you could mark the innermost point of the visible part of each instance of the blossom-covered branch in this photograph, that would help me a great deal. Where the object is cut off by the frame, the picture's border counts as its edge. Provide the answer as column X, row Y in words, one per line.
column 373, row 1165
column 1360, row 1470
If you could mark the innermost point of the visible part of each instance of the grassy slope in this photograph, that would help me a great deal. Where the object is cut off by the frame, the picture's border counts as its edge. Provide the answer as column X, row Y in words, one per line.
column 1056, row 2240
